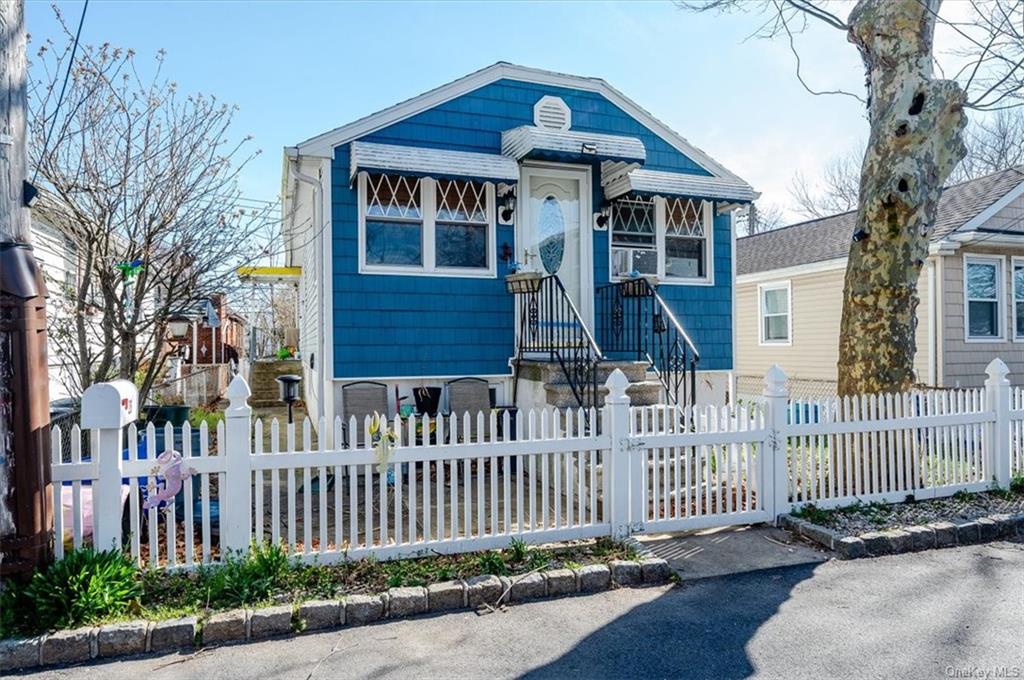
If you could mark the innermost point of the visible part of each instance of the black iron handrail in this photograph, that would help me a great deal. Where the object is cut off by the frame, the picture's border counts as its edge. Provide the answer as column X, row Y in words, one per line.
column 551, row 325
column 635, row 322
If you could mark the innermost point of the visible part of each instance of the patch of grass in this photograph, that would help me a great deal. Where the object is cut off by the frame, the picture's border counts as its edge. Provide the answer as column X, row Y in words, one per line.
column 1017, row 483
column 814, row 514
column 266, row 573
column 964, row 496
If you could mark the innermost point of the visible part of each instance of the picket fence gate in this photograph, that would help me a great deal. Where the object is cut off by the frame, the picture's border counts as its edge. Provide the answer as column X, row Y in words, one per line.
column 458, row 483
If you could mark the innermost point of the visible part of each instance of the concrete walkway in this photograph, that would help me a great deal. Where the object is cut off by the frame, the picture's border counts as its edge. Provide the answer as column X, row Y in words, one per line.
column 937, row 614
column 732, row 550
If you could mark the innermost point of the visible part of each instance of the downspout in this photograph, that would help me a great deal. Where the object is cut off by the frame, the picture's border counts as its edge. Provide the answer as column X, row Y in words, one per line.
column 317, row 231
column 932, row 330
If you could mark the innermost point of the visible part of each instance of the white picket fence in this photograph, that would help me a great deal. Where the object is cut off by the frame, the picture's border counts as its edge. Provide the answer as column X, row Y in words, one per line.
column 455, row 484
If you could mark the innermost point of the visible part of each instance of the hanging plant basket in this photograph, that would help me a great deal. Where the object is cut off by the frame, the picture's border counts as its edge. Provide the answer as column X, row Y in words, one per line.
column 638, row 287
column 523, row 282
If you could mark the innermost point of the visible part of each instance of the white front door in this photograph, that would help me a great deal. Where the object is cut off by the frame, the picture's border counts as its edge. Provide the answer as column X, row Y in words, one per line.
column 555, row 233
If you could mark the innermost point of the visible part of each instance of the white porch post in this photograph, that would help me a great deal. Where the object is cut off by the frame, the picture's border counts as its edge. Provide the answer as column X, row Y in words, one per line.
column 616, row 418
column 195, row 342
column 107, row 407
column 997, row 453
column 776, row 458
column 236, row 512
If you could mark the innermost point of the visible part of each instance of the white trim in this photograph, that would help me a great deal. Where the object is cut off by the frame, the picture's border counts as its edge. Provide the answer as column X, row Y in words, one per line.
column 1014, row 261
column 323, row 144
column 733, row 306
column 428, row 210
column 396, row 378
column 761, row 290
column 795, row 270
column 989, row 212
column 1000, row 262
column 326, row 359
column 932, row 335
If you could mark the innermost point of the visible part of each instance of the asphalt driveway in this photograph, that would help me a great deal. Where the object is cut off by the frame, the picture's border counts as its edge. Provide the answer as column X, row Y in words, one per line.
column 938, row 614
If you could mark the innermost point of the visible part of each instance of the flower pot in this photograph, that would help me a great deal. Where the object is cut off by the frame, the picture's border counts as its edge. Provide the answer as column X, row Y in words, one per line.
column 523, row 282
column 160, row 415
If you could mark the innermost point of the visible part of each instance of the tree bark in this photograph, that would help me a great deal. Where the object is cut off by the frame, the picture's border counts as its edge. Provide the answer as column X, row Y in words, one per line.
column 914, row 145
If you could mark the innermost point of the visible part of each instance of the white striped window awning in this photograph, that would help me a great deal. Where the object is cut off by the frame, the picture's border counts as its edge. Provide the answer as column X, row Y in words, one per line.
column 421, row 162
column 618, row 183
column 529, row 141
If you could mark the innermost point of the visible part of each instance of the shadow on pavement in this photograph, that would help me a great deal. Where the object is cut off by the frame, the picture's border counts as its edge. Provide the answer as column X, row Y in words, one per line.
column 646, row 641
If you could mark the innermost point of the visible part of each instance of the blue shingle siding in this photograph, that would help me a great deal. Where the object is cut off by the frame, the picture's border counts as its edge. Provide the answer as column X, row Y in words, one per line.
column 405, row 326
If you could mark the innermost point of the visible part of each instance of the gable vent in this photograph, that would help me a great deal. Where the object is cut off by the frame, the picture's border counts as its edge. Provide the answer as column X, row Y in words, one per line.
column 551, row 113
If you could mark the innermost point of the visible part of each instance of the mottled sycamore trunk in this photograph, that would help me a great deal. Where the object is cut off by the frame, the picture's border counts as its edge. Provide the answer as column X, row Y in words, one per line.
column 915, row 142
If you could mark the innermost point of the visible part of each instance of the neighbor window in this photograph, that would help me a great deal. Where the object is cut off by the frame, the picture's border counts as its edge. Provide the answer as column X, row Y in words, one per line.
column 983, row 292
column 775, row 313
column 664, row 237
column 1018, row 299
column 423, row 225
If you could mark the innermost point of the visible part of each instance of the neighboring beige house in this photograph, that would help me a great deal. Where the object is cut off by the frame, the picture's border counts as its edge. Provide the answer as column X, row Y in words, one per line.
column 789, row 291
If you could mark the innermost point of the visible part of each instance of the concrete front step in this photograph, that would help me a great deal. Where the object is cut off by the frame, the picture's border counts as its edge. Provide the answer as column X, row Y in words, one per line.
column 643, row 393
column 550, row 372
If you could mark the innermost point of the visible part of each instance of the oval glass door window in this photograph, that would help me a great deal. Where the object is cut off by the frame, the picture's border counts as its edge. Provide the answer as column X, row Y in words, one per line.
column 551, row 230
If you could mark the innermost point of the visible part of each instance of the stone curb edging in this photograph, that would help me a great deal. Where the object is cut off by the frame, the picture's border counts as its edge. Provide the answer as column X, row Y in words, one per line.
column 894, row 541
column 139, row 637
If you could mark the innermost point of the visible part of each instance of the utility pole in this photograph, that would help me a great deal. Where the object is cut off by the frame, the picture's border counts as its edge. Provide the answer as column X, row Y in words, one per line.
column 26, row 499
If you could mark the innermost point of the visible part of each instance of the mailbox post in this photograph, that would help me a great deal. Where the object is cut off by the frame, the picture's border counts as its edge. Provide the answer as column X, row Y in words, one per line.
column 108, row 407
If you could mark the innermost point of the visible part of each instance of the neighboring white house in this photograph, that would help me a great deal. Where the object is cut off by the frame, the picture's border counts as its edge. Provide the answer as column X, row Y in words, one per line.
column 789, row 292
column 58, row 257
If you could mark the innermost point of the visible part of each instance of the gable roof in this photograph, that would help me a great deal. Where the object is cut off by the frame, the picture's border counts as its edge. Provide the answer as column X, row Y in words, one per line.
column 828, row 238
column 323, row 144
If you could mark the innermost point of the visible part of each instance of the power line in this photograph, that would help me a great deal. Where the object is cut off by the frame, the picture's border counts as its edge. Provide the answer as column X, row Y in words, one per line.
column 63, row 88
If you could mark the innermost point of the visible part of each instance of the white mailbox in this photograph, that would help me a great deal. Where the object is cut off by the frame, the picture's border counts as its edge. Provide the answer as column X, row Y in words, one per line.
column 110, row 405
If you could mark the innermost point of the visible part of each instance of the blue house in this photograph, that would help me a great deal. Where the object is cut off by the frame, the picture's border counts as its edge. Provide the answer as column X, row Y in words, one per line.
column 526, row 228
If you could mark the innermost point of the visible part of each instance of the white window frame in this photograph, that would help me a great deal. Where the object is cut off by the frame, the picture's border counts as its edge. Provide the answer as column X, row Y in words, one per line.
column 999, row 261
column 660, row 229
column 762, row 288
column 1015, row 262
column 428, row 209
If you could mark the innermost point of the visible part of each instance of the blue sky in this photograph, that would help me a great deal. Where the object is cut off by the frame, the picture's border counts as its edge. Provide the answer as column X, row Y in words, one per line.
column 297, row 69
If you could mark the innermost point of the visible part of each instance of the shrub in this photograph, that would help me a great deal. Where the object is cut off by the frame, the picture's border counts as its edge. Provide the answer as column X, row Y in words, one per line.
column 1017, row 483
column 491, row 562
column 249, row 578
column 82, row 587
column 519, row 549
column 199, row 415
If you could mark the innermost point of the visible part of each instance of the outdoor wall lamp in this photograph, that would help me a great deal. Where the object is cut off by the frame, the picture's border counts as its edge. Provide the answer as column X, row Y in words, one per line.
column 177, row 326
column 508, row 205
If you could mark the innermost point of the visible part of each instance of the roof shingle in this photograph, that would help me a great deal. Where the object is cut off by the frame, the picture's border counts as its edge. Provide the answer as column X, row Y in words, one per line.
column 828, row 238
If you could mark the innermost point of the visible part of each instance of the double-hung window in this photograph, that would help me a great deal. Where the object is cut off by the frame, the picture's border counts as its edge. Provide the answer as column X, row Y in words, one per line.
column 634, row 238
column 983, row 296
column 669, row 238
column 421, row 225
column 1018, row 299
column 775, row 313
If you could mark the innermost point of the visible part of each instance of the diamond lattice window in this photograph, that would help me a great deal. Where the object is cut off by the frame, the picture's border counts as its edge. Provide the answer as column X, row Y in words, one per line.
column 685, row 239
column 394, row 221
column 634, row 238
column 460, row 234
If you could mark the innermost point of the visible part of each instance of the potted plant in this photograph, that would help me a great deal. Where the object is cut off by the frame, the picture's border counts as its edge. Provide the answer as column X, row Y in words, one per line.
column 638, row 285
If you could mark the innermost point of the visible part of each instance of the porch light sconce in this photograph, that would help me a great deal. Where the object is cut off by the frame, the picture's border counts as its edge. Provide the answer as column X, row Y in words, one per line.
column 602, row 218
column 508, row 206
column 588, row 148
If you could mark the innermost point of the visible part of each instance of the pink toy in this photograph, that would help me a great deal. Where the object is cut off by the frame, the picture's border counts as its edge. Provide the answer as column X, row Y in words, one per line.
column 171, row 467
